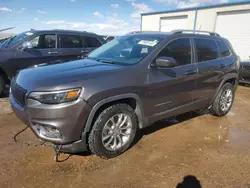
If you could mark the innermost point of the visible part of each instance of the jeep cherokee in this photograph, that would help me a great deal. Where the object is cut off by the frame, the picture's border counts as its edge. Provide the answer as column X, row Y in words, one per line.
column 127, row 84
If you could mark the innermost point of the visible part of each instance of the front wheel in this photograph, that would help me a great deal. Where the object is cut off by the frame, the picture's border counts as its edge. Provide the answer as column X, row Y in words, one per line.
column 113, row 132
column 223, row 101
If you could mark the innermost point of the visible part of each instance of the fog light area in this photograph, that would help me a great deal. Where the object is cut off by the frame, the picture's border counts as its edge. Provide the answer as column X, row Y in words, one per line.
column 47, row 131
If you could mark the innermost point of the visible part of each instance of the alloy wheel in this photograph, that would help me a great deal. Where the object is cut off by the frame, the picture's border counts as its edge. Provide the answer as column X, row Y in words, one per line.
column 117, row 131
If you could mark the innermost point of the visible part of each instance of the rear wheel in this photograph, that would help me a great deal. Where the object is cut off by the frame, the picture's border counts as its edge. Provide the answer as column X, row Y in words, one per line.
column 113, row 132
column 2, row 85
column 223, row 101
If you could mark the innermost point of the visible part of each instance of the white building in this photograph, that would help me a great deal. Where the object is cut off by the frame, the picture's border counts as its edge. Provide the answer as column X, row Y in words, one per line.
column 230, row 20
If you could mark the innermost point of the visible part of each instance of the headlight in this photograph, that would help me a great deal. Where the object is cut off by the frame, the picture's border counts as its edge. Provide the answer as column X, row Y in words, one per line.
column 56, row 97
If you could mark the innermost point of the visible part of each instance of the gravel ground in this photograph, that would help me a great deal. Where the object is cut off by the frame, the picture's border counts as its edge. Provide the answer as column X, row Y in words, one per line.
column 195, row 149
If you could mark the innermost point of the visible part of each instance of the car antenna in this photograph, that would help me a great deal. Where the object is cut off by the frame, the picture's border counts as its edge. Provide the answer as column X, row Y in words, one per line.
column 199, row 29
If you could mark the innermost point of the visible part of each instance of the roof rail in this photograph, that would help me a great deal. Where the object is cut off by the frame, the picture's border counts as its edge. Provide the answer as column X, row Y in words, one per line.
column 195, row 32
column 88, row 32
column 133, row 32
column 69, row 30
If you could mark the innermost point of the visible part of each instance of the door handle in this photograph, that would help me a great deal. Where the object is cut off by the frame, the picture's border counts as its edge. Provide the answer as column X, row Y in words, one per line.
column 191, row 72
column 53, row 52
column 85, row 51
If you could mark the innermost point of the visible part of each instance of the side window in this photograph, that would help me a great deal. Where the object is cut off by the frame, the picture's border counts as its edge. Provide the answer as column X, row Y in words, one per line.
column 223, row 49
column 179, row 49
column 206, row 49
column 44, row 41
column 71, row 41
column 92, row 42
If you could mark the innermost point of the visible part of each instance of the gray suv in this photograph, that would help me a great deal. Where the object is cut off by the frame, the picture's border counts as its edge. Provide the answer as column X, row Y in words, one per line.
column 127, row 84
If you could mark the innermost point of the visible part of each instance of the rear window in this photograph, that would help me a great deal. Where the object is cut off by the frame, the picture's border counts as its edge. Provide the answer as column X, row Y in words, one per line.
column 71, row 41
column 92, row 42
column 206, row 50
column 223, row 49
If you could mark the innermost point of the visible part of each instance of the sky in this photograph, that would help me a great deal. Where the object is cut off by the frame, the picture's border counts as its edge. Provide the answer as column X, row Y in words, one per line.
column 109, row 17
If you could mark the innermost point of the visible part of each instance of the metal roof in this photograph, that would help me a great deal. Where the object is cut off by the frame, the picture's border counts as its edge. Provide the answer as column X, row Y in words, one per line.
column 198, row 8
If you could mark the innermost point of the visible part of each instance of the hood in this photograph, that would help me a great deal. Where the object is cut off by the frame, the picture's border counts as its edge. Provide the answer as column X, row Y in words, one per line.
column 60, row 76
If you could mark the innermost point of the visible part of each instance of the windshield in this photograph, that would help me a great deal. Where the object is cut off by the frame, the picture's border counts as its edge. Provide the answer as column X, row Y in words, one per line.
column 15, row 39
column 2, row 41
column 125, row 50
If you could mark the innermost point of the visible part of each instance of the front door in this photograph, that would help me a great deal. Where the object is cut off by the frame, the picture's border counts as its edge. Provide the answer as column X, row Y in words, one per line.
column 43, row 50
column 172, row 88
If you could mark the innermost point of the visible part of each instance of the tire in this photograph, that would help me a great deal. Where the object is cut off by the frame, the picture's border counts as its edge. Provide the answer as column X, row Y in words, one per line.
column 103, row 126
column 217, row 107
column 2, row 85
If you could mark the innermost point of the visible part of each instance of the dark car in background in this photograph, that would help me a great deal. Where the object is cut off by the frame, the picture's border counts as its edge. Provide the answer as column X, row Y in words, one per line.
column 37, row 47
column 245, row 72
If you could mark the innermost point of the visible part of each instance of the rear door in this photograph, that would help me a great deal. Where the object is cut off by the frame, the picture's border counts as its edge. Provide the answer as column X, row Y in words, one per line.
column 71, row 46
column 172, row 88
column 44, row 49
column 210, row 68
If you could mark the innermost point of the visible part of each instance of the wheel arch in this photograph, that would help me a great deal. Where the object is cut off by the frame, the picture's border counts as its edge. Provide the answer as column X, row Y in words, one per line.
column 131, row 99
column 232, row 78
column 5, row 76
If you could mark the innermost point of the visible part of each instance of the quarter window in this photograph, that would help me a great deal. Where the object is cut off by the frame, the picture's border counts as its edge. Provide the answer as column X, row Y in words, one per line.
column 71, row 41
column 206, row 50
column 179, row 49
column 44, row 41
column 224, row 50
column 92, row 42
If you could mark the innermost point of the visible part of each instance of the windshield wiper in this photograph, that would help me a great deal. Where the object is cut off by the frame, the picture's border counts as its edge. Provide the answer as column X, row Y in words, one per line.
column 105, row 61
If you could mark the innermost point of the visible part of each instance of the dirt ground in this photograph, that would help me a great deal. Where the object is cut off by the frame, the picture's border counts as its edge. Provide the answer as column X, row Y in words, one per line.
column 206, row 150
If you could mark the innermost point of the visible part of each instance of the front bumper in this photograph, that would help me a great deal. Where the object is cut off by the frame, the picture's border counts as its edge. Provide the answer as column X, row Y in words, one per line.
column 68, row 118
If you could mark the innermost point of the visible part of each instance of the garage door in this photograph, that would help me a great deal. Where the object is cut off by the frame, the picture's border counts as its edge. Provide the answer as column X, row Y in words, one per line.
column 236, row 28
column 173, row 23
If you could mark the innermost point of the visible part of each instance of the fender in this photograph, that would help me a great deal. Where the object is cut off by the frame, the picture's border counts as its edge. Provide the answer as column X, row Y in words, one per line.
column 139, row 109
column 226, row 78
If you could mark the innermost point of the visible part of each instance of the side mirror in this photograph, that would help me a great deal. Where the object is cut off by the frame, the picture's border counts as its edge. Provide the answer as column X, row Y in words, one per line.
column 165, row 62
column 26, row 45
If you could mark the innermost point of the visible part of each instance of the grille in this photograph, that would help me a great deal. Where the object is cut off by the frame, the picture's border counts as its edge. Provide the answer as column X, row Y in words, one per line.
column 18, row 92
